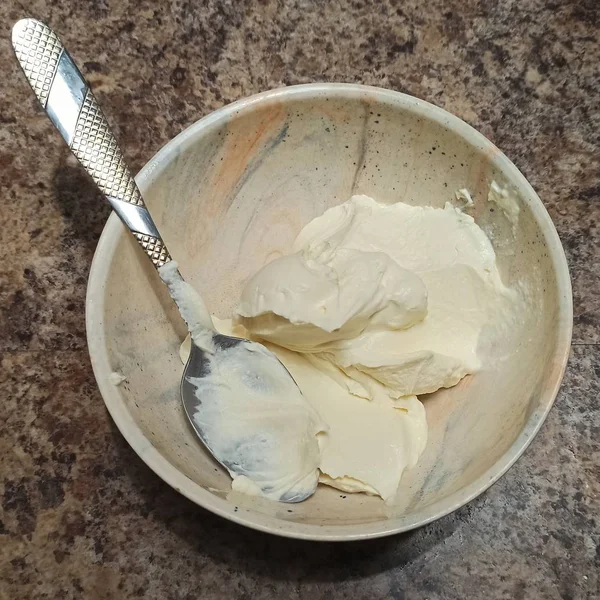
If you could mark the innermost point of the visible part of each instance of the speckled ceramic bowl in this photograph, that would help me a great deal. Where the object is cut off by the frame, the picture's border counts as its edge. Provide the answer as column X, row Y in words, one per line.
column 231, row 192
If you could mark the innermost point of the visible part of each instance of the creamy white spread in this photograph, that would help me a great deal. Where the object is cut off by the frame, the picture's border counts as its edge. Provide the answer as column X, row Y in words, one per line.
column 322, row 294
column 507, row 203
column 376, row 304
column 464, row 197
column 372, row 442
column 190, row 304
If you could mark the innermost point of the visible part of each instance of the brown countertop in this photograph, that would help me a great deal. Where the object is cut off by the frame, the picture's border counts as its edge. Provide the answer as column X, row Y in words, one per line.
column 82, row 516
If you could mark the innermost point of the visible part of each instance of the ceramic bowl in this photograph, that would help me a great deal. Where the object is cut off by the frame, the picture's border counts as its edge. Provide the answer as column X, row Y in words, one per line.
column 230, row 193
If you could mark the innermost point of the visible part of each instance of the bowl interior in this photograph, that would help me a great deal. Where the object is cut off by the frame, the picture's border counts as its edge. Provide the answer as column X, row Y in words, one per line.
column 230, row 194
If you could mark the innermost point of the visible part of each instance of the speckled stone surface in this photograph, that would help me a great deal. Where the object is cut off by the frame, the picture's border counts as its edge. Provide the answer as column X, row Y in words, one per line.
column 81, row 515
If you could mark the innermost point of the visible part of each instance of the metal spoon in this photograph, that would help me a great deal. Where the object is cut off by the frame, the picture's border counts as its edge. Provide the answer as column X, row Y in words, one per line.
column 71, row 106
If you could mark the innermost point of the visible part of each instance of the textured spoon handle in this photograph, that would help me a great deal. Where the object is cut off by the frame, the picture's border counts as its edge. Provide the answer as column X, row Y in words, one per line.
column 67, row 99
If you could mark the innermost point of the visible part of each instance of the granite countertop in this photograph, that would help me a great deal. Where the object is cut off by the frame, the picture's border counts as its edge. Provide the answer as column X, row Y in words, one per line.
column 82, row 516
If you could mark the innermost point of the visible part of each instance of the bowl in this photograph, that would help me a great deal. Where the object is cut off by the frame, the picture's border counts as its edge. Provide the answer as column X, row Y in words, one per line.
column 229, row 194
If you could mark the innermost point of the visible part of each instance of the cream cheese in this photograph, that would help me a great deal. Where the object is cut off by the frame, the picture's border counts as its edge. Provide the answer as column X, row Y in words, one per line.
column 378, row 303
column 364, row 441
column 322, row 294
column 507, row 203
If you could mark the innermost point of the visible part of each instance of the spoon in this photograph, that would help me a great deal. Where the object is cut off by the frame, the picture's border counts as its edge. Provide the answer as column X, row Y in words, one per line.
column 227, row 381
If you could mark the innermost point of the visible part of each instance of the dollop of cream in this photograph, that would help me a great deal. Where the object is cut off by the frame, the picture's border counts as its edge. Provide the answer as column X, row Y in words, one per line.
column 464, row 197
column 366, row 446
column 322, row 294
column 507, row 203
column 377, row 303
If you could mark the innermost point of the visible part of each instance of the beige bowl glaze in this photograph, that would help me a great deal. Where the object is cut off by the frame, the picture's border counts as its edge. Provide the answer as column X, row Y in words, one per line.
column 230, row 193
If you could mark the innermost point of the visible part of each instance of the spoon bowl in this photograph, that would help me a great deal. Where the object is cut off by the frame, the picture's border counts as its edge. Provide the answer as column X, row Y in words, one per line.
column 260, row 372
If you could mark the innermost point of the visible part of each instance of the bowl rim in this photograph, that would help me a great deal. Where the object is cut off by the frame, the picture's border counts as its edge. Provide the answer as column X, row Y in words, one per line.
column 95, row 298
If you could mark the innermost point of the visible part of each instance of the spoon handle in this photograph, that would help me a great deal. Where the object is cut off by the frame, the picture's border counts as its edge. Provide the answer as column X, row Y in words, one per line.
column 68, row 101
